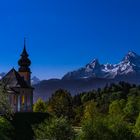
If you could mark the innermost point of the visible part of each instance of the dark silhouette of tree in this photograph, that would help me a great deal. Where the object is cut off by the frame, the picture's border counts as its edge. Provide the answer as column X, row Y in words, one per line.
column 60, row 104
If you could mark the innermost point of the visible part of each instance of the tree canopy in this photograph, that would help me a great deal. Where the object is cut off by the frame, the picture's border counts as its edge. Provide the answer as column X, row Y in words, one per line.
column 60, row 104
column 40, row 106
column 111, row 113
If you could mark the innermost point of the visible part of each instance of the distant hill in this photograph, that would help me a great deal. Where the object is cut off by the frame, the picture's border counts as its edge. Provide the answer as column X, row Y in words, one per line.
column 45, row 88
column 92, row 76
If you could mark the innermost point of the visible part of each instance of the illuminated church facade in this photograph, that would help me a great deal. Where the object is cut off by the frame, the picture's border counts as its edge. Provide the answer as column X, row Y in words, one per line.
column 18, row 85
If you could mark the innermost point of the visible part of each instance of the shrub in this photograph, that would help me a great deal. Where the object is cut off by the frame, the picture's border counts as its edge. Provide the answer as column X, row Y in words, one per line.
column 95, row 129
column 6, row 129
column 54, row 129
column 137, row 127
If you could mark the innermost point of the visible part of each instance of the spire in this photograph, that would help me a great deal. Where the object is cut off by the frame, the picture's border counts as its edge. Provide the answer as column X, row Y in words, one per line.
column 24, row 42
column 24, row 52
column 24, row 62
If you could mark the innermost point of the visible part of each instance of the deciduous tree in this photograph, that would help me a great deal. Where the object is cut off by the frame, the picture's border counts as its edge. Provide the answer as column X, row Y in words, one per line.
column 40, row 106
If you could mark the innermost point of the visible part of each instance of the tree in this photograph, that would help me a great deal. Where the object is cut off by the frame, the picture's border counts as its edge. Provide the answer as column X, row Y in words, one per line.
column 78, row 112
column 116, row 107
column 40, row 106
column 137, row 127
column 121, row 130
column 60, row 104
column 105, row 127
column 95, row 129
column 76, row 100
column 5, row 107
column 90, row 110
column 54, row 129
column 6, row 129
column 132, row 108
column 88, row 96
column 93, row 124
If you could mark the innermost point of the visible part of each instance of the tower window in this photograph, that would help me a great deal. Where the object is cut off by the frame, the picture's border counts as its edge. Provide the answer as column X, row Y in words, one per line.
column 23, row 99
column 15, row 100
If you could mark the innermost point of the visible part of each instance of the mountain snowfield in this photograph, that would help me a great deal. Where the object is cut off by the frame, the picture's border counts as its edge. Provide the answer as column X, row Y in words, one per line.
column 129, row 66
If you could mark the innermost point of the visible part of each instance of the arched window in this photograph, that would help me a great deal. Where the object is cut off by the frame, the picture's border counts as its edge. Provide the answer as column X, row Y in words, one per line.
column 23, row 99
column 29, row 98
column 15, row 100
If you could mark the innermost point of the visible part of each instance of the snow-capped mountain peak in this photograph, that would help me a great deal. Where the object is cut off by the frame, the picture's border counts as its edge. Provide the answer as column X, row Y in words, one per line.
column 132, row 54
column 35, row 80
column 131, row 57
column 93, row 64
column 130, row 65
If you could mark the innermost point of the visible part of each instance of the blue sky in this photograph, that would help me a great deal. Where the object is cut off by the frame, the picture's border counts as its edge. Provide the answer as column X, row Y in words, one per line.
column 63, row 35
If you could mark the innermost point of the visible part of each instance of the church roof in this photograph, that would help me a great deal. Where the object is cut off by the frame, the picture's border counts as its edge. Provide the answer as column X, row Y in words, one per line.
column 13, row 80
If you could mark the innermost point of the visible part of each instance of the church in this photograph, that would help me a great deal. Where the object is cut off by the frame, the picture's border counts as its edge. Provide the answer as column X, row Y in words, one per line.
column 18, row 85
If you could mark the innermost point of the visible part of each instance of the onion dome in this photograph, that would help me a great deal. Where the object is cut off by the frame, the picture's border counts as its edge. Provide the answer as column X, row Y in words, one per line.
column 24, row 62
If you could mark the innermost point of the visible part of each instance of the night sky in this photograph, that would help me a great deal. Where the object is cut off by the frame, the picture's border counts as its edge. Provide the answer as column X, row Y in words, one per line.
column 63, row 35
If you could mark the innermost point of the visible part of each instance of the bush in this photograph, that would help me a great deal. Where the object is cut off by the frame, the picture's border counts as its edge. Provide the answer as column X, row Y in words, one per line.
column 23, row 122
column 6, row 129
column 106, row 128
column 95, row 129
column 137, row 127
column 54, row 129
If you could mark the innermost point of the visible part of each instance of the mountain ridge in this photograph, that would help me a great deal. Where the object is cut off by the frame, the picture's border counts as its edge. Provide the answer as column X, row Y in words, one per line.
column 93, row 76
column 128, row 65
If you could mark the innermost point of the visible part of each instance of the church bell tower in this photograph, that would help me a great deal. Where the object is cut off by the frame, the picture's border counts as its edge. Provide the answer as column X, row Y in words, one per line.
column 24, row 65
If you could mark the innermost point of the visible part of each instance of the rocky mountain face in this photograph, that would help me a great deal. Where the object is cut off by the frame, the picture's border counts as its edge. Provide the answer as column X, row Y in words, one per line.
column 92, row 76
column 129, row 67
column 35, row 80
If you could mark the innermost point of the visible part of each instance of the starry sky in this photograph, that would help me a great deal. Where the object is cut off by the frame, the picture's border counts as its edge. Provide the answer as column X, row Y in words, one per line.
column 63, row 35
